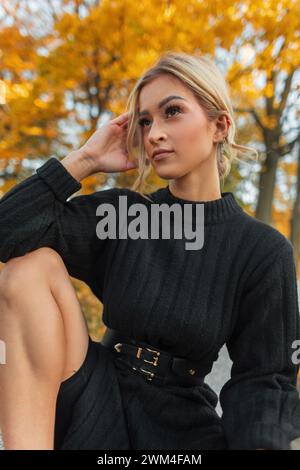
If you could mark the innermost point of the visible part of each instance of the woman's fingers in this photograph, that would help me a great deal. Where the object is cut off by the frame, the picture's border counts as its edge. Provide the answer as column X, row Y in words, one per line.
column 122, row 119
column 130, row 165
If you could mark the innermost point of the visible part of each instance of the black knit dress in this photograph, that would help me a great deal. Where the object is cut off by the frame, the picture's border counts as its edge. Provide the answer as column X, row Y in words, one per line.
column 239, row 289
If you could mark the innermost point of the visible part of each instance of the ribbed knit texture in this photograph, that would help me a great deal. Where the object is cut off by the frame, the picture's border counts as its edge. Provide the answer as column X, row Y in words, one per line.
column 239, row 289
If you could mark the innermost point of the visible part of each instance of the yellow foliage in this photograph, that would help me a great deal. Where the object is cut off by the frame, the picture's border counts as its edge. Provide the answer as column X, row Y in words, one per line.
column 281, row 221
column 32, row 130
column 40, row 103
column 2, row 92
column 92, row 309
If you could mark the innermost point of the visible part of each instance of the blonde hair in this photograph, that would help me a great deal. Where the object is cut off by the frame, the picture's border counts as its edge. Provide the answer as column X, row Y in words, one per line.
column 204, row 79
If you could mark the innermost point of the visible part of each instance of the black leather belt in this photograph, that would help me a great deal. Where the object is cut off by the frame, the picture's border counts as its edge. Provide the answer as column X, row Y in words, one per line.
column 154, row 364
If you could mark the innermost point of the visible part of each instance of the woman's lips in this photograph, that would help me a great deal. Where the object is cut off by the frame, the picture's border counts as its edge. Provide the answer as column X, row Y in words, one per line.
column 161, row 155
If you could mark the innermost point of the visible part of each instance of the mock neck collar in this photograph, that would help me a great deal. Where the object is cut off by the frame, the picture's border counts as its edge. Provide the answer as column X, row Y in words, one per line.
column 217, row 210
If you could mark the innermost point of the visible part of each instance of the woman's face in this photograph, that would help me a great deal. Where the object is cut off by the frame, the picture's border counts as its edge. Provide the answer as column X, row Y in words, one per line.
column 179, row 125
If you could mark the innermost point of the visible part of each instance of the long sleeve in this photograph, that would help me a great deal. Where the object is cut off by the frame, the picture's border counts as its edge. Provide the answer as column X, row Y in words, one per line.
column 260, row 402
column 35, row 213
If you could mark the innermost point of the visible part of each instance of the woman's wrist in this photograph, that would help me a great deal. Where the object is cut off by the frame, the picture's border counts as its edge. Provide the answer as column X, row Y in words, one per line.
column 78, row 164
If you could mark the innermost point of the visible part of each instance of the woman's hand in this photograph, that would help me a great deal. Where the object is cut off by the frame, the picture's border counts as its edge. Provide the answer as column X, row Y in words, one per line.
column 106, row 149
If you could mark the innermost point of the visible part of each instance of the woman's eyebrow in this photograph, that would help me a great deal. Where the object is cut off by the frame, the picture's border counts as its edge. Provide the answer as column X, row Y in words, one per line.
column 162, row 103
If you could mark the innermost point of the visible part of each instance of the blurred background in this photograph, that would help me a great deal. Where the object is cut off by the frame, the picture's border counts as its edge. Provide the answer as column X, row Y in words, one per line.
column 67, row 67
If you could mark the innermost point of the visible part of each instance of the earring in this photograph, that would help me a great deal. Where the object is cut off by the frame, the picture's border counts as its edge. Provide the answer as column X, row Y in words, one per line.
column 221, row 143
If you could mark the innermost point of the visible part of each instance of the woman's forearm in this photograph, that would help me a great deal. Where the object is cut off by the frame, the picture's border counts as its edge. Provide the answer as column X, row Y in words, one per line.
column 35, row 212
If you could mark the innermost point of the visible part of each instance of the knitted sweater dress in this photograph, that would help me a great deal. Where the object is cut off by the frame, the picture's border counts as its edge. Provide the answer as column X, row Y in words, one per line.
column 239, row 289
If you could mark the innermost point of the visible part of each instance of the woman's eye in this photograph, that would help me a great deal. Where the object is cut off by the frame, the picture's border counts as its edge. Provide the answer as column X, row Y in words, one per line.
column 168, row 109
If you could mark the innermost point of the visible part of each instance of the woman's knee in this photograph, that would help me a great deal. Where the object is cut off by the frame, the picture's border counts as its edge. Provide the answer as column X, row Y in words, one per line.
column 28, row 269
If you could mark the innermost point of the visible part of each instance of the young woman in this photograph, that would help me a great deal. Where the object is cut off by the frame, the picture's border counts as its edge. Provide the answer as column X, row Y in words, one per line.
column 168, row 309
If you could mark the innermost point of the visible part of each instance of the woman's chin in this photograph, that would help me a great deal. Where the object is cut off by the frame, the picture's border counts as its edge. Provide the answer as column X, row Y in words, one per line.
column 167, row 172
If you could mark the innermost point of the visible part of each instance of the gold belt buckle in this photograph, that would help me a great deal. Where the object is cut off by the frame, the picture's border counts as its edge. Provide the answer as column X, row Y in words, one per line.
column 151, row 374
column 117, row 347
column 139, row 351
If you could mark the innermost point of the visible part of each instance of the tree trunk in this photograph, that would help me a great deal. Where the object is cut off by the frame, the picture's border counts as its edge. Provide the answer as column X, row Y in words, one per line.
column 266, row 187
column 295, row 221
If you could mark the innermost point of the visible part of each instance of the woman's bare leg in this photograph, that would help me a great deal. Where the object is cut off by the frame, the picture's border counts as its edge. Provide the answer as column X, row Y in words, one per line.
column 46, row 340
